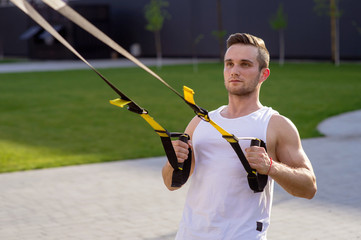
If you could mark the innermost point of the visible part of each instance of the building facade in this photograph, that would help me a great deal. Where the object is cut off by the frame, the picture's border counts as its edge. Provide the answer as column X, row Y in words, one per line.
column 307, row 35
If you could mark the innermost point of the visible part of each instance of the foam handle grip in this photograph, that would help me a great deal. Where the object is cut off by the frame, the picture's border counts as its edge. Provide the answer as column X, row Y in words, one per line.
column 184, row 138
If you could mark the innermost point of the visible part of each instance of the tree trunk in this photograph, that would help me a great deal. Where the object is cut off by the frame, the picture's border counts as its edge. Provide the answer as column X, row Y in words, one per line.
column 1, row 49
column 158, row 47
column 220, row 30
column 282, row 47
column 334, row 32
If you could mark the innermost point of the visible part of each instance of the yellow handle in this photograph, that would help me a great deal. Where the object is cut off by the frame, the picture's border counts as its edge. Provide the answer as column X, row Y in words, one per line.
column 188, row 94
column 119, row 102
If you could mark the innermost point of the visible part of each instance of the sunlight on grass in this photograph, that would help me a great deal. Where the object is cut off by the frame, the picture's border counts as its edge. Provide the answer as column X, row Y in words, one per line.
column 17, row 157
column 50, row 119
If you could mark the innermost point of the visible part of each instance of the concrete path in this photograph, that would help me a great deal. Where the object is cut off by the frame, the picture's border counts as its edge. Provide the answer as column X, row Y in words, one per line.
column 127, row 199
column 56, row 65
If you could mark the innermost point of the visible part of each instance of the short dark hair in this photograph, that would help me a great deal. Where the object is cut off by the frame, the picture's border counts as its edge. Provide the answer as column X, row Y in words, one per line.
column 248, row 39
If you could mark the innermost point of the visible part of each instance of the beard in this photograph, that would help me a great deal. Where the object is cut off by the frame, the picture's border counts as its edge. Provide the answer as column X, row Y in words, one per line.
column 243, row 89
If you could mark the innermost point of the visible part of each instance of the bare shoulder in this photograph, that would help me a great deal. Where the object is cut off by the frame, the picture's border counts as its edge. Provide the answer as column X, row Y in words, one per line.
column 192, row 125
column 282, row 126
column 277, row 127
column 285, row 142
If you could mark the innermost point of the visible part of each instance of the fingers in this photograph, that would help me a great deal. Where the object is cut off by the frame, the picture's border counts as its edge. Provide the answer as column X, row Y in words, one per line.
column 258, row 159
column 181, row 149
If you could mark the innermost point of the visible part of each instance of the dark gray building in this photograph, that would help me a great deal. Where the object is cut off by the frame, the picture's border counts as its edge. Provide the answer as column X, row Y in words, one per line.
column 306, row 37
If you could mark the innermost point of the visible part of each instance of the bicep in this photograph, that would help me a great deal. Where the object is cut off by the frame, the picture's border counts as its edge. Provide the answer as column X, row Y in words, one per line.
column 289, row 149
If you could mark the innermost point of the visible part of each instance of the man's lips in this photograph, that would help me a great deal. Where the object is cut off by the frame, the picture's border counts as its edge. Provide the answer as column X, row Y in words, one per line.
column 234, row 80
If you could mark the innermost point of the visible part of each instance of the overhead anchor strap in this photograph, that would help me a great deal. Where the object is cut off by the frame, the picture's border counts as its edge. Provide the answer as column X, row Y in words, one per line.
column 69, row 13
column 123, row 100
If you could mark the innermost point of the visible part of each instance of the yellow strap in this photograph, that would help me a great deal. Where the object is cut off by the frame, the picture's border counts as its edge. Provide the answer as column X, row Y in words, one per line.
column 119, row 102
column 226, row 135
column 156, row 126
column 60, row 6
column 189, row 97
column 29, row 10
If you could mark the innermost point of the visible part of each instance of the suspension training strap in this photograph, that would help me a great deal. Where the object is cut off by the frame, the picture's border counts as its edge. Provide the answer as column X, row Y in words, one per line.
column 61, row 7
column 71, row 14
column 179, row 176
column 75, row 17
column 256, row 181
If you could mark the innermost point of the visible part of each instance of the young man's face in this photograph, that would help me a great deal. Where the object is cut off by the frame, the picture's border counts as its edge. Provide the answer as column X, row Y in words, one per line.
column 241, row 70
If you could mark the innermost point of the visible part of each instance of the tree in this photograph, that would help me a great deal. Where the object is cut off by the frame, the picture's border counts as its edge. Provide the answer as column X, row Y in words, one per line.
column 2, row 53
column 220, row 33
column 155, row 15
column 330, row 7
column 1, row 49
column 194, row 51
column 279, row 22
column 358, row 28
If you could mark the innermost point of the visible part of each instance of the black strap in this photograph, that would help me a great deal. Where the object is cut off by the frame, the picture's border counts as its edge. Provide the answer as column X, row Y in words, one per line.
column 181, row 170
column 180, row 177
column 74, row 16
column 256, row 181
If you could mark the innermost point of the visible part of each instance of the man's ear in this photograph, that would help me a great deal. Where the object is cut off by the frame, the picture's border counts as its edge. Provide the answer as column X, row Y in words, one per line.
column 265, row 72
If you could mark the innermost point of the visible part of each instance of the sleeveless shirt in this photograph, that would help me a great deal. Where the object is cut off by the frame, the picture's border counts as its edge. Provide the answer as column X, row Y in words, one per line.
column 219, row 204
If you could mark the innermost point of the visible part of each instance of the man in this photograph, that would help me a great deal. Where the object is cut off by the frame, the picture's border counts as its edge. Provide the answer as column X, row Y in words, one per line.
column 220, row 204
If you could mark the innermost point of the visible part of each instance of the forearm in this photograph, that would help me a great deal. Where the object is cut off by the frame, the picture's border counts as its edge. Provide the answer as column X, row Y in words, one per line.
column 300, row 182
column 181, row 150
column 167, row 174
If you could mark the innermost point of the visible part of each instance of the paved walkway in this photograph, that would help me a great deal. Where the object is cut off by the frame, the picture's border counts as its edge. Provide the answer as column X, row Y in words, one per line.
column 127, row 199
column 56, row 65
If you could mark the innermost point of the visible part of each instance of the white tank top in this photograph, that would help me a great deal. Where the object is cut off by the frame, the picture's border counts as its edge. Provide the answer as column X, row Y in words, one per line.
column 219, row 204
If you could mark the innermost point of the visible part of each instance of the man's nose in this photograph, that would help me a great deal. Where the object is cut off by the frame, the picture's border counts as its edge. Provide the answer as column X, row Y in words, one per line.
column 235, row 71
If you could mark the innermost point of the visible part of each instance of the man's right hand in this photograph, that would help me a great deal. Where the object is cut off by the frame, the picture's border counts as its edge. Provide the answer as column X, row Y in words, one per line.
column 181, row 149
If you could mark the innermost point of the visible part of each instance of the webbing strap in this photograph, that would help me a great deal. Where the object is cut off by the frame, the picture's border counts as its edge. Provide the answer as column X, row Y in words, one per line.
column 203, row 114
column 123, row 100
column 75, row 17
column 61, row 7
column 242, row 158
column 180, row 171
column 31, row 12
column 71, row 14
column 256, row 181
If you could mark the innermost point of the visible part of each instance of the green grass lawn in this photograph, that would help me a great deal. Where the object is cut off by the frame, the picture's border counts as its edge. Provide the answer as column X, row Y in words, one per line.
column 11, row 60
column 51, row 119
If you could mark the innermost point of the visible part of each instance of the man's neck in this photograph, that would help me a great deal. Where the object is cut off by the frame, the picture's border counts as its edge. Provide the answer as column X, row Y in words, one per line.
column 241, row 106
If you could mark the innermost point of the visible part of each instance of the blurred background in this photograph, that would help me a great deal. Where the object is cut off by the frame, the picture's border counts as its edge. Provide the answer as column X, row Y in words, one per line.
column 309, row 29
column 53, row 117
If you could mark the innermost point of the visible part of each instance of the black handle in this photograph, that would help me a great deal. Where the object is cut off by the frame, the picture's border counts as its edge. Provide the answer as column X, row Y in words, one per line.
column 184, row 138
column 256, row 142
